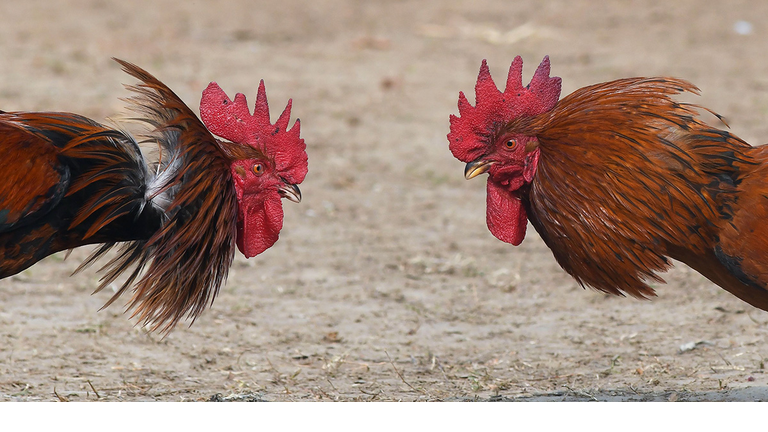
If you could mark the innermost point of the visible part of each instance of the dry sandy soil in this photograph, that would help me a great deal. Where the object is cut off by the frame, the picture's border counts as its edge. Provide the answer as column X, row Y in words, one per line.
column 385, row 284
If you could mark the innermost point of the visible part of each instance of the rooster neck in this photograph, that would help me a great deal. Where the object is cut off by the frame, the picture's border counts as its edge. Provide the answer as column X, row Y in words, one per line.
column 620, row 188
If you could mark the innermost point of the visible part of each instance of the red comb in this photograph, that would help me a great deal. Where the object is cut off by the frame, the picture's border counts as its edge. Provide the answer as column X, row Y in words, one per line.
column 233, row 121
column 493, row 107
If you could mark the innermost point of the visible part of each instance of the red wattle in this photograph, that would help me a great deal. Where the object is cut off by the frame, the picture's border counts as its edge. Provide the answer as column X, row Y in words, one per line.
column 259, row 223
column 505, row 214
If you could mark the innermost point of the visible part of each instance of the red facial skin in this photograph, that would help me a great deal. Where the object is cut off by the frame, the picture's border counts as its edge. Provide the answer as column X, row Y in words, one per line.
column 260, row 209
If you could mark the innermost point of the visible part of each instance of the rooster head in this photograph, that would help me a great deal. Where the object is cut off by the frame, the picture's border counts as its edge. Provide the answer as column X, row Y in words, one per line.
column 273, row 162
column 481, row 137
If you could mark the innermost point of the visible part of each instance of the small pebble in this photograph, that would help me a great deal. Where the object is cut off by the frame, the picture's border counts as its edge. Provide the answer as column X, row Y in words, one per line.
column 743, row 27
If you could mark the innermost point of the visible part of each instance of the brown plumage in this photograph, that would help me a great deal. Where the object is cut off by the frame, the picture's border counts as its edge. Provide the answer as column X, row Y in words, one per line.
column 188, row 259
column 625, row 178
column 70, row 181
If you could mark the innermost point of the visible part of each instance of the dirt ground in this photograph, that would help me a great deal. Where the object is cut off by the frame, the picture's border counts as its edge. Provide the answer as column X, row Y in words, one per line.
column 385, row 284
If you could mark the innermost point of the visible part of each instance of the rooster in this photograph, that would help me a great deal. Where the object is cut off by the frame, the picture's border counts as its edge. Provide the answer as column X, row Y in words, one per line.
column 69, row 181
column 617, row 178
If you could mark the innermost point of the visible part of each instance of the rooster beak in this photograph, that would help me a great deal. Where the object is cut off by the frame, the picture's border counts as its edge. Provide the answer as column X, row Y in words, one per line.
column 476, row 168
column 291, row 192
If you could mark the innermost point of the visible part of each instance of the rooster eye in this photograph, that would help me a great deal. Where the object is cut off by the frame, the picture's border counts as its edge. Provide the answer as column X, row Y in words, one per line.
column 258, row 169
column 511, row 144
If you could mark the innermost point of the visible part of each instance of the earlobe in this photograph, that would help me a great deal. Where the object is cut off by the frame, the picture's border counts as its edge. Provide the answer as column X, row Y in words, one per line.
column 531, row 163
column 238, row 177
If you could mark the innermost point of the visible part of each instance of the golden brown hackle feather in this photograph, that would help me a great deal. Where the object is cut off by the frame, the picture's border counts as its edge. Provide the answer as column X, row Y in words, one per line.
column 186, row 261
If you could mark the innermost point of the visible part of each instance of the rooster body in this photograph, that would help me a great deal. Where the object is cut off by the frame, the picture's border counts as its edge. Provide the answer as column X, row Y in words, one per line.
column 70, row 181
column 617, row 178
column 44, row 189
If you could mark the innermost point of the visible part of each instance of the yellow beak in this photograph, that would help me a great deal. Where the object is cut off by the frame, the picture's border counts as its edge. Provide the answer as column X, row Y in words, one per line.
column 291, row 192
column 474, row 169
